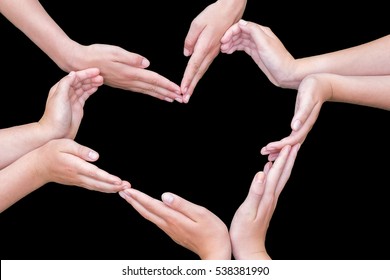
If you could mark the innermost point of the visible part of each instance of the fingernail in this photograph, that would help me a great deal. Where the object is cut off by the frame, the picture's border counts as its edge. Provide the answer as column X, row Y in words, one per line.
column 242, row 22
column 168, row 99
column 186, row 98
column 167, row 198
column 186, row 52
column 145, row 62
column 260, row 177
column 126, row 185
column 93, row 155
column 179, row 100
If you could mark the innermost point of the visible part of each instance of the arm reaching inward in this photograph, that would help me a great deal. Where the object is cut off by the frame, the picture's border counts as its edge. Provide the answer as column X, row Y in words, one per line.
column 357, row 75
column 119, row 67
column 37, row 153
column 203, row 39
column 199, row 230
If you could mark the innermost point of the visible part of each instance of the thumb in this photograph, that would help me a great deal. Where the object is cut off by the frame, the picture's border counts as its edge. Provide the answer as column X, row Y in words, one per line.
column 81, row 151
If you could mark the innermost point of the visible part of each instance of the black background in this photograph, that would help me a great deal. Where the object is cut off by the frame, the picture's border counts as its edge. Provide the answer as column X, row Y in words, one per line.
column 335, row 205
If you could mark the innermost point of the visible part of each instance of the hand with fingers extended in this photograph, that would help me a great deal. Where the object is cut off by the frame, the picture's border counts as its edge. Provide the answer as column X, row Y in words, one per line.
column 126, row 70
column 203, row 40
column 283, row 70
column 316, row 89
column 199, row 230
column 37, row 153
column 66, row 162
column 189, row 225
column 250, row 223
column 61, row 119
column 119, row 67
column 61, row 161
column 357, row 75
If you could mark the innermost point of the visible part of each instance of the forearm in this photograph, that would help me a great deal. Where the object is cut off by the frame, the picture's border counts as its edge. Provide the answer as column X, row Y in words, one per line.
column 31, row 18
column 235, row 7
column 17, row 141
column 18, row 180
column 372, row 91
column 372, row 58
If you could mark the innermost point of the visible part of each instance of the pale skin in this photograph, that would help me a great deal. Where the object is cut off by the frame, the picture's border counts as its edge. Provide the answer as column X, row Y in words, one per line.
column 203, row 40
column 61, row 119
column 45, row 151
column 316, row 89
column 255, row 213
column 189, row 225
column 358, row 75
column 119, row 67
column 199, row 230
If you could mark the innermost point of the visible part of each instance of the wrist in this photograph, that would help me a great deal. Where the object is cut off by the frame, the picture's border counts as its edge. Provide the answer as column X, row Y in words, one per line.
column 224, row 254
column 38, row 163
column 320, row 85
column 32, row 165
column 19, row 179
column 69, row 59
column 262, row 255
column 44, row 132
column 294, row 75
column 220, row 249
column 234, row 3
column 234, row 7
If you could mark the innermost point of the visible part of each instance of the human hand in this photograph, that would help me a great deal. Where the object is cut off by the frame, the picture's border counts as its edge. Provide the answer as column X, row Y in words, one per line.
column 313, row 91
column 66, row 162
column 251, row 221
column 126, row 70
column 203, row 40
column 65, row 103
column 265, row 48
column 189, row 225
